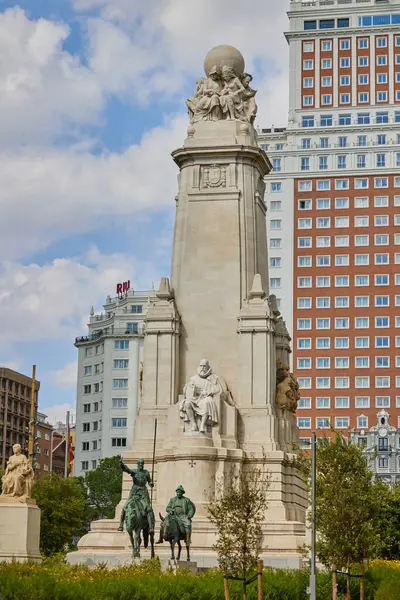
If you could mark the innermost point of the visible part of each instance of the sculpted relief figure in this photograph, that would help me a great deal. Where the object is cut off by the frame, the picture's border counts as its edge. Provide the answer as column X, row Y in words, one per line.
column 198, row 409
column 287, row 388
column 205, row 104
column 226, row 92
column 19, row 475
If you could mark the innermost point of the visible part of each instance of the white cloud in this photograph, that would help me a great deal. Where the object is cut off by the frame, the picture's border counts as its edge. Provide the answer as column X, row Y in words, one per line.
column 58, row 412
column 65, row 377
column 140, row 49
column 62, row 191
column 50, row 301
column 44, row 91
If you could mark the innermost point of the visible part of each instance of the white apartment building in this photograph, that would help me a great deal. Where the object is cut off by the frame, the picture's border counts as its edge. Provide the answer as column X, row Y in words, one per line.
column 110, row 360
column 334, row 211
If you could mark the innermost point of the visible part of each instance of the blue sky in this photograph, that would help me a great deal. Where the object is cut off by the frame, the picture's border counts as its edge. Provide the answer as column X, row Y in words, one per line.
column 92, row 103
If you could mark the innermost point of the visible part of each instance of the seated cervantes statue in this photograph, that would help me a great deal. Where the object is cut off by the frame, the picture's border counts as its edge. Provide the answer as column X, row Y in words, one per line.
column 287, row 388
column 19, row 476
column 199, row 408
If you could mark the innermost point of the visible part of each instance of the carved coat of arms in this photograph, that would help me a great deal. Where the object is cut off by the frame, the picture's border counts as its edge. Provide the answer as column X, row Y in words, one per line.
column 214, row 176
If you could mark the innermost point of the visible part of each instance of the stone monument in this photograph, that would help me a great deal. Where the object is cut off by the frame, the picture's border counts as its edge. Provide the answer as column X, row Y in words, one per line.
column 227, row 410
column 19, row 515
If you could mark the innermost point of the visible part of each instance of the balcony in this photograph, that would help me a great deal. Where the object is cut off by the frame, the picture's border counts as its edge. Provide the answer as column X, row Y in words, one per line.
column 307, row 4
column 109, row 332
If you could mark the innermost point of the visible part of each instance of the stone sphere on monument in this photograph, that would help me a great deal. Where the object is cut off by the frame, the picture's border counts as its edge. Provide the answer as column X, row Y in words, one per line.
column 222, row 56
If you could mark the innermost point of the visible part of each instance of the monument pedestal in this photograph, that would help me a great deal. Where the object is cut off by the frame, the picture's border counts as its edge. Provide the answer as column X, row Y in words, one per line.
column 19, row 530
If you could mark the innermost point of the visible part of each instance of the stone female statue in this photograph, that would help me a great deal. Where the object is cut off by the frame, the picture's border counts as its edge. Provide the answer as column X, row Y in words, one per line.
column 19, row 476
column 205, row 104
column 231, row 96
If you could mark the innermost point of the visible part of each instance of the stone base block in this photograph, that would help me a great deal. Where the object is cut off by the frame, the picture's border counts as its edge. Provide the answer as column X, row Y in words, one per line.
column 19, row 531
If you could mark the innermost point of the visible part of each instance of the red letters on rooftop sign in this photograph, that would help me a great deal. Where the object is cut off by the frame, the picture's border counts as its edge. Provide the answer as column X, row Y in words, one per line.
column 123, row 288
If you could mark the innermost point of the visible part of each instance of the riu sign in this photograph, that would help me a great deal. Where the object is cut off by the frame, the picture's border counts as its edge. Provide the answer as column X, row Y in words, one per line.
column 122, row 288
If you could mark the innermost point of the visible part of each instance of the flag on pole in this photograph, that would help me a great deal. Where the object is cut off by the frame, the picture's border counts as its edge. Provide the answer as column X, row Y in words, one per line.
column 69, row 449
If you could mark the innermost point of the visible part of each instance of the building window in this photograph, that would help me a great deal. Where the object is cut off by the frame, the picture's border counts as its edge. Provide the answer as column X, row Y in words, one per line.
column 132, row 327
column 342, row 422
column 342, row 343
column 362, row 382
column 324, row 143
column 276, row 224
column 322, row 324
column 382, row 362
column 326, row 63
column 120, row 383
column 382, row 342
column 275, row 282
column 323, row 242
column 323, row 403
column 341, row 161
column 308, row 65
column 323, row 382
column 118, row 442
column 362, row 422
column 345, row 119
column 323, row 363
column 362, row 140
column 275, row 243
column 363, row 42
column 87, row 389
column 341, row 241
column 323, row 163
column 119, row 422
column 341, row 260
column 363, row 119
column 304, row 422
column 363, row 97
column 381, row 60
column 345, row 63
column 323, row 343
column 304, row 343
column 362, row 362
column 85, row 427
column 342, row 382
column 304, row 403
column 361, row 301
column 362, row 401
column 276, row 187
column 119, row 402
column 326, row 99
column 276, row 164
column 382, row 402
column 341, row 203
column 85, row 446
column 274, row 262
column 86, row 408
column 323, row 422
column 326, row 121
column 342, row 402
column 121, row 345
column 310, row 25
column 345, row 98
column 307, row 121
column 84, row 465
column 363, row 79
column 342, row 362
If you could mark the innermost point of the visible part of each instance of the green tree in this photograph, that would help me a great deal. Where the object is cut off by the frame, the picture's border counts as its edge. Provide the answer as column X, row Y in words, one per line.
column 104, row 488
column 63, row 511
column 237, row 513
column 347, row 509
column 389, row 520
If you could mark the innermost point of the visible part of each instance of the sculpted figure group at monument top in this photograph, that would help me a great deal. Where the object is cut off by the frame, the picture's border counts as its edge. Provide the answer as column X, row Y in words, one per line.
column 225, row 93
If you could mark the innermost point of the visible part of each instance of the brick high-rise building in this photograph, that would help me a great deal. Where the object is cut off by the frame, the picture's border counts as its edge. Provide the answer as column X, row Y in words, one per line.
column 15, row 406
column 43, row 445
column 334, row 211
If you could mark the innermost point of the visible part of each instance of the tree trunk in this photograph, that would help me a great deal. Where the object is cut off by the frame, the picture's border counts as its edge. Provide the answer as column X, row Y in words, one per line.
column 244, row 591
column 334, row 585
column 362, row 581
column 226, row 588
column 348, row 592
